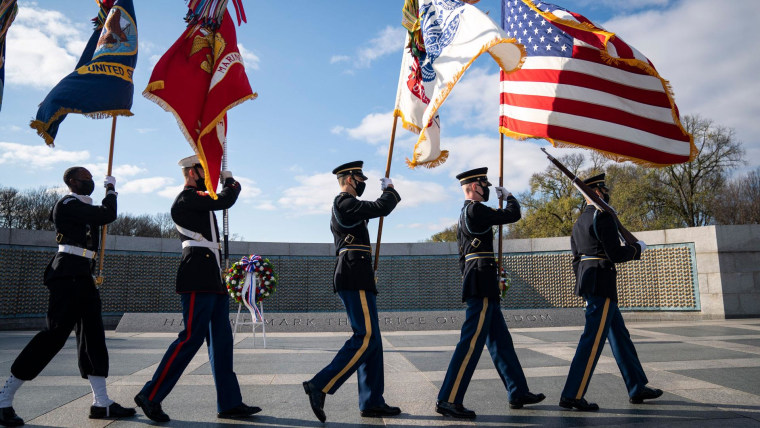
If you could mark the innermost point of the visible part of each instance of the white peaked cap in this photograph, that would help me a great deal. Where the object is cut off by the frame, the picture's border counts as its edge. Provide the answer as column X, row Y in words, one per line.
column 189, row 161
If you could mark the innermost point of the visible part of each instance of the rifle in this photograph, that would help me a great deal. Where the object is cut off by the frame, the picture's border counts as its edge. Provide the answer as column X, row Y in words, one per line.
column 596, row 201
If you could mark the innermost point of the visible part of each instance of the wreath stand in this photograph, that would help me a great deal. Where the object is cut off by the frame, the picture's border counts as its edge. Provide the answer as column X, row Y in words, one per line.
column 248, row 295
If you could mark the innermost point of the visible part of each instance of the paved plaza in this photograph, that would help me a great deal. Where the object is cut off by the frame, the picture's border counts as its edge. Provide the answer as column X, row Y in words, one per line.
column 709, row 370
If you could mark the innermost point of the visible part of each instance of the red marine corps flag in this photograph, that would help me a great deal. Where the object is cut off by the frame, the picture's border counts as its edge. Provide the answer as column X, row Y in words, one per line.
column 198, row 79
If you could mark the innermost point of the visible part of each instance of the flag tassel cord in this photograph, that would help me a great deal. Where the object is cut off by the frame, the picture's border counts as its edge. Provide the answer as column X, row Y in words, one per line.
column 99, row 278
column 387, row 175
column 501, row 200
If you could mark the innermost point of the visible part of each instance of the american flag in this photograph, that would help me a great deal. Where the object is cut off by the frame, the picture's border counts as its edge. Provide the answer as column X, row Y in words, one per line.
column 583, row 86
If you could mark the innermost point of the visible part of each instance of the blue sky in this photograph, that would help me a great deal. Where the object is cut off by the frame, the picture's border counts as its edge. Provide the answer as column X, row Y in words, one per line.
column 326, row 74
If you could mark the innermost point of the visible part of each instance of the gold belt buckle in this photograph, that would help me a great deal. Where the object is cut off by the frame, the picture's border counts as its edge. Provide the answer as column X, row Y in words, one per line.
column 349, row 238
column 476, row 243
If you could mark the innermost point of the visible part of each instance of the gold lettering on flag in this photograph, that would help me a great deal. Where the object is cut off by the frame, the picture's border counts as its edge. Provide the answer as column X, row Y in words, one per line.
column 109, row 69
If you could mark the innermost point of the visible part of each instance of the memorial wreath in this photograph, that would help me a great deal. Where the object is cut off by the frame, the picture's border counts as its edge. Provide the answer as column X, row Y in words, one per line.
column 235, row 277
column 505, row 280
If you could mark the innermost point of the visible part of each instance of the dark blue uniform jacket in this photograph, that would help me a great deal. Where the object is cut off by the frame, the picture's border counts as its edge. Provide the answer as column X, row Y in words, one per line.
column 353, row 268
column 596, row 248
column 475, row 238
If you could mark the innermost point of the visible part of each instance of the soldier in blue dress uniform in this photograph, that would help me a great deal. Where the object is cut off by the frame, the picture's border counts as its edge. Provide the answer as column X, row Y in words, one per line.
column 596, row 248
column 354, row 281
column 484, row 323
column 205, row 301
column 74, row 298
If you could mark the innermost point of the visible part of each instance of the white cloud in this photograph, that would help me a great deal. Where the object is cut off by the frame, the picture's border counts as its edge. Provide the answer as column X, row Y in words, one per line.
column 43, row 46
column 339, row 58
column 119, row 171
column 474, row 101
column 38, row 156
column 626, row 5
column 144, row 185
column 251, row 59
column 390, row 40
column 712, row 74
column 154, row 60
column 170, row 192
column 266, row 206
column 248, row 188
column 413, row 193
column 374, row 128
column 313, row 195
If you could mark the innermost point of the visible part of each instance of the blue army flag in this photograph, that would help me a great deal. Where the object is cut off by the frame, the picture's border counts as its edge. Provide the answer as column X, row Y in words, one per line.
column 8, row 10
column 101, row 85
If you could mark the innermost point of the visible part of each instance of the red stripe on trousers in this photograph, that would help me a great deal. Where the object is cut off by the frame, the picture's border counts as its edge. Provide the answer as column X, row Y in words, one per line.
column 176, row 350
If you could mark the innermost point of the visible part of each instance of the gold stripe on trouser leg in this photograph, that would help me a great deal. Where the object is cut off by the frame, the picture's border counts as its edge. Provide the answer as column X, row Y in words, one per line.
column 365, row 343
column 463, row 367
column 592, row 357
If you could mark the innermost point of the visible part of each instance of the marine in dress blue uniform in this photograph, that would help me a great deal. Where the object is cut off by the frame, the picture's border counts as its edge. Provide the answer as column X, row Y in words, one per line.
column 484, row 323
column 354, row 281
column 74, row 299
column 205, row 302
column 596, row 248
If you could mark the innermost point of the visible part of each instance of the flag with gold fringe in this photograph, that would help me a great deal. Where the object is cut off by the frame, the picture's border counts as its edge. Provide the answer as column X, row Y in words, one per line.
column 200, row 78
column 101, row 84
column 8, row 10
column 454, row 33
column 583, row 86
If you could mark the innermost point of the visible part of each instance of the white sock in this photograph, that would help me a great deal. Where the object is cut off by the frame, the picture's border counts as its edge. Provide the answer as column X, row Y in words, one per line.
column 8, row 391
column 99, row 393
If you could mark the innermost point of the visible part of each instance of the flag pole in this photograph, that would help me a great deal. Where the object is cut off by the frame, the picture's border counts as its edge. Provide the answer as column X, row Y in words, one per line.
column 387, row 175
column 226, row 215
column 501, row 201
column 99, row 279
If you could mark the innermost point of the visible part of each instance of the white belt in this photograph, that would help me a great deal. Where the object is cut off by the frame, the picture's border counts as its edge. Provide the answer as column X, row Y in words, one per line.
column 81, row 252
column 205, row 244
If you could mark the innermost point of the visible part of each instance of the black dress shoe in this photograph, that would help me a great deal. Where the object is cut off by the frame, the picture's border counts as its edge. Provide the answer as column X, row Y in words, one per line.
column 646, row 394
column 242, row 410
column 151, row 409
column 582, row 404
column 454, row 410
column 381, row 411
column 115, row 410
column 316, row 399
column 9, row 418
column 527, row 398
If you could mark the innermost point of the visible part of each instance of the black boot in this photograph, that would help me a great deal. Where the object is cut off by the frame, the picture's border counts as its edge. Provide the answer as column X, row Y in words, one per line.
column 9, row 418
column 151, row 409
column 454, row 410
column 581, row 404
column 381, row 411
column 115, row 410
column 316, row 399
column 646, row 394
column 527, row 398
column 240, row 411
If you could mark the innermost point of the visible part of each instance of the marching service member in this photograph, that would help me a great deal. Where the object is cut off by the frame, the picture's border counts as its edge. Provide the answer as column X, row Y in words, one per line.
column 354, row 281
column 484, row 323
column 205, row 302
column 596, row 248
column 74, row 299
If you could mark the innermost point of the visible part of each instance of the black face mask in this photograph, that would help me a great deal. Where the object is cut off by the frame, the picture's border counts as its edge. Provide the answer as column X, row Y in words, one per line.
column 359, row 188
column 606, row 197
column 485, row 194
column 200, row 183
column 87, row 187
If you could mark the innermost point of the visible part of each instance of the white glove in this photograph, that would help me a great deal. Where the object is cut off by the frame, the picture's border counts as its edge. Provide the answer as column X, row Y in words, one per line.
column 643, row 245
column 501, row 192
column 224, row 175
column 384, row 182
column 109, row 180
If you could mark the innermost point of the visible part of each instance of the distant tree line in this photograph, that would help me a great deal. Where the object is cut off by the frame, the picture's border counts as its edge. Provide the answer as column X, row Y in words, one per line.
column 30, row 209
column 691, row 194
